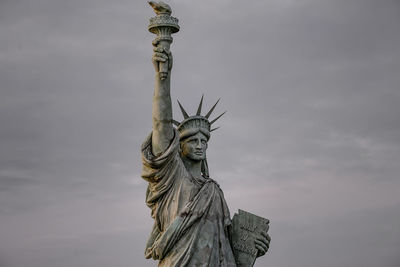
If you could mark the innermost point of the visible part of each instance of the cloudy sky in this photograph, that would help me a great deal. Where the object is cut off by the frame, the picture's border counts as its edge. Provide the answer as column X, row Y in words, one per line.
column 311, row 139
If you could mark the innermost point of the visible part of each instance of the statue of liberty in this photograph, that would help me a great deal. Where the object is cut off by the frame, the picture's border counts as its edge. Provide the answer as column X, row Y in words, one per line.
column 192, row 224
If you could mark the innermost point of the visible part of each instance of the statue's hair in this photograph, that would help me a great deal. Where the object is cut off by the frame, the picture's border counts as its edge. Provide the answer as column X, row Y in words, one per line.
column 192, row 131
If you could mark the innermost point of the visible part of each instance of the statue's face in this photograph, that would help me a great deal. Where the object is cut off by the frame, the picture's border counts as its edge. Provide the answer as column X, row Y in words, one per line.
column 194, row 147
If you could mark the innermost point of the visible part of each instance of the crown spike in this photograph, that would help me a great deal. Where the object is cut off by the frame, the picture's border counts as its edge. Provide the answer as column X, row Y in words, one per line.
column 217, row 118
column 184, row 113
column 175, row 122
column 200, row 106
column 212, row 109
column 214, row 129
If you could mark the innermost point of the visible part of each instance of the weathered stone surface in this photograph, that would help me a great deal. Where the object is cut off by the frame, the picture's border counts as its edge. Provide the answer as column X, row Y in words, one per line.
column 192, row 225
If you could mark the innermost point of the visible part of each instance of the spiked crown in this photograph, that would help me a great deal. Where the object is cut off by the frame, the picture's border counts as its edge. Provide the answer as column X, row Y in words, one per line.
column 192, row 124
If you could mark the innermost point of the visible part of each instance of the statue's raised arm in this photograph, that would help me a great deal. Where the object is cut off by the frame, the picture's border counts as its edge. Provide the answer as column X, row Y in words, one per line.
column 163, row 24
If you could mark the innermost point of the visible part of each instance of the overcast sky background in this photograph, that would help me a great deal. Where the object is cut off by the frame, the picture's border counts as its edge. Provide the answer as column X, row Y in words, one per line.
column 311, row 139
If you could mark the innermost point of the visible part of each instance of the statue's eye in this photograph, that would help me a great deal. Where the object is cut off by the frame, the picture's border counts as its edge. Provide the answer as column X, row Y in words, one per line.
column 204, row 142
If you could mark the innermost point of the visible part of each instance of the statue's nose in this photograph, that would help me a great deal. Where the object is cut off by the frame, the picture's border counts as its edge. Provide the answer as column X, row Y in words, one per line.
column 198, row 145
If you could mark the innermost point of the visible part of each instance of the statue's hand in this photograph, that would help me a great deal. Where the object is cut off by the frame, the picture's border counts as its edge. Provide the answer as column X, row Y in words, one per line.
column 262, row 243
column 161, row 55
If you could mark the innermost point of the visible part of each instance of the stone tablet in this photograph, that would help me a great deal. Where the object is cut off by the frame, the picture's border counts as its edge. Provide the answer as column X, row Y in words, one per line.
column 246, row 227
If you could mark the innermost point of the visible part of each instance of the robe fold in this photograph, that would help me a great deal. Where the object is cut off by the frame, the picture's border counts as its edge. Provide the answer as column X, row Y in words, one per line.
column 191, row 217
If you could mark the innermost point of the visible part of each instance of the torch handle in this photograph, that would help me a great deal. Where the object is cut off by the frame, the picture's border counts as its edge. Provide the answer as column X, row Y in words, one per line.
column 163, row 67
column 163, row 25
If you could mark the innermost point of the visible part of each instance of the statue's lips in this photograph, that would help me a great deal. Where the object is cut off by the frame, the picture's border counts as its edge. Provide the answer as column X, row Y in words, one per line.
column 198, row 153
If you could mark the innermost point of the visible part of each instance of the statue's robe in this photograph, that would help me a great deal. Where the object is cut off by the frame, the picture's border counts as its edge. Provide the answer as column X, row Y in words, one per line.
column 191, row 217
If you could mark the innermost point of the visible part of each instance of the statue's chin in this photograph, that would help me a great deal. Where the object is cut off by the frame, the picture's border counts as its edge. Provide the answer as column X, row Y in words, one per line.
column 194, row 157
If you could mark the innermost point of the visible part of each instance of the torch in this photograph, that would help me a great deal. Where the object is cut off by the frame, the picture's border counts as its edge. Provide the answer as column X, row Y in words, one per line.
column 163, row 24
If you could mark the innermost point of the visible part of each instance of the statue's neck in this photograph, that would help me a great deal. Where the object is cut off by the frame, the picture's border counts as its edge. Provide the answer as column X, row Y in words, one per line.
column 193, row 167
